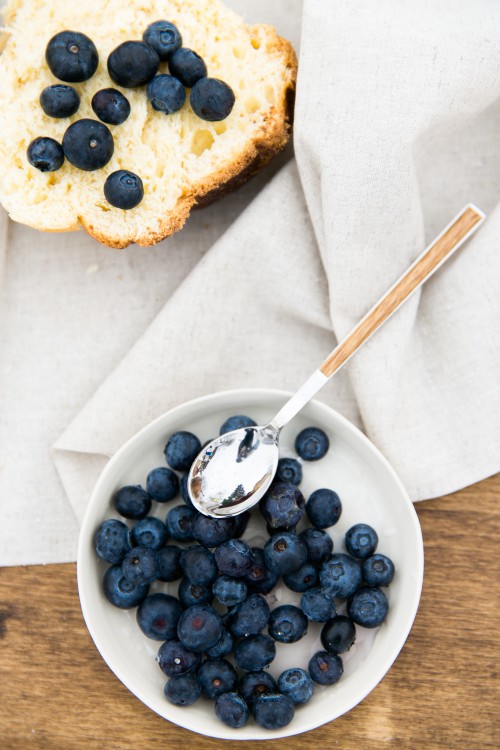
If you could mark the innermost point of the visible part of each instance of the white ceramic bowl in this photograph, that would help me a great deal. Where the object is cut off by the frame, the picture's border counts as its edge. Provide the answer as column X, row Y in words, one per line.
column 370, row 492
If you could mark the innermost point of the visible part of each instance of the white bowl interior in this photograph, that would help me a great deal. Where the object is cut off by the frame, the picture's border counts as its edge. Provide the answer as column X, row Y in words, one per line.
column 370, row 492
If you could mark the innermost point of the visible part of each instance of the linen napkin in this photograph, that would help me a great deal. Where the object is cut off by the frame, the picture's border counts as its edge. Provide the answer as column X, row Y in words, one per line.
column 396, row 128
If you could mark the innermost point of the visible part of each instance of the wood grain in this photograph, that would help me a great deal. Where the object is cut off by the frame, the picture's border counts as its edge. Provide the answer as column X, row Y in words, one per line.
column 432, row 257
column 442, row 693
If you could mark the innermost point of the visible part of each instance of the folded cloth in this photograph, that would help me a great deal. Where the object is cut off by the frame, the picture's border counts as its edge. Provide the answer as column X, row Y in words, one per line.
column 396, row 129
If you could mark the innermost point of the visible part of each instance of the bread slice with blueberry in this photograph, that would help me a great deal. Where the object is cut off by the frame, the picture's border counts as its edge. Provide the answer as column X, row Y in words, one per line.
column 119, row 120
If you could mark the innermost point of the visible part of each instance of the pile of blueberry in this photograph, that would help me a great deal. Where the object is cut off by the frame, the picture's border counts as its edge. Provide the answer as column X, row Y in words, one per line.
column 221, row 609
column 88, row 144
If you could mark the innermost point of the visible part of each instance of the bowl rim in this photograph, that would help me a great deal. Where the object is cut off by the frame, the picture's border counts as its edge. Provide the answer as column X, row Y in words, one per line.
column 175, row 412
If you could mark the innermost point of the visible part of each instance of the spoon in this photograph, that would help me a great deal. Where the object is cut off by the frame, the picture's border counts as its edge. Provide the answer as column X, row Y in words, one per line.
column 233, row 471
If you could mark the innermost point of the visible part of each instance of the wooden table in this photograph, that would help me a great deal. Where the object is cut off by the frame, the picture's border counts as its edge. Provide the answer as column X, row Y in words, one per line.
column 442, row 692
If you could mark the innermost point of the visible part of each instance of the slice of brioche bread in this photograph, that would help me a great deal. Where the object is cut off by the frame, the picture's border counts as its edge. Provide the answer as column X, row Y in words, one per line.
column 181, row 159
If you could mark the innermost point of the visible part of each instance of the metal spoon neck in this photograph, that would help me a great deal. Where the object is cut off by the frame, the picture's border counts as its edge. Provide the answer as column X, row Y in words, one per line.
column 296, row 403
column 271, row 431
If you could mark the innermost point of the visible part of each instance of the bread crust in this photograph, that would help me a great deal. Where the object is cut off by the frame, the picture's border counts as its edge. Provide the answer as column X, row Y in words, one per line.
column 271, row 138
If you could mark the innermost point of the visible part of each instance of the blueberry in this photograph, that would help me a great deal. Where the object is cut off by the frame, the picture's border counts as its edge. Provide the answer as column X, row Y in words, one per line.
column 361, row 541
column 180, row 521
column 273, row 710
column 368, row 607
column 240, row 524
column 112, row 541
column 289, row 470
column 120, row 592
column 123, row 189
column 255, row 652
column 236, row 423
column 46, row 154
column 230, row 591
column 302, row 579
column 338, row 634
column 297, row 684
column 149, row 532
column 198, row 564
column 259, row 578
column 284, row 553
column 211, row 99
column 340, row 576
column 199, row 627
column 312, row 444
column 72, row 56
column 282, row 507
column 182, row 689
column 319, row 545
column 166, row 94
column 174, row 658
column 325, row 669
column 181, row 450
column 217, row 676
column 210, row 532
column 378, row 570
column 111, row 106
column 132, row 502
column 323, row 508
column 194, row 593
column 234, row 558
column 163, row 37
column 232, row 710
column 88, row 144
column 187, row 66
column 133, row 64
column 317, row 605
column 162, row 484
column 287, row 624
column 183, row 484
column 254, row 684
column 249, row 617
column 140, row 565
column 169, row 566
column 223, row 647
column 157, row 616
column 59, row 100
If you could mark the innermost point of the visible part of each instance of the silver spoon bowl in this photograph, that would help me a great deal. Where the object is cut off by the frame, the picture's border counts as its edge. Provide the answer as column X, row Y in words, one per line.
column 233, row 471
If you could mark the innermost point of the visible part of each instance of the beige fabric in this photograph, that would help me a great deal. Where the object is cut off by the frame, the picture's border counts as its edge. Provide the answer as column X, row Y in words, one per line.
column 396, row 128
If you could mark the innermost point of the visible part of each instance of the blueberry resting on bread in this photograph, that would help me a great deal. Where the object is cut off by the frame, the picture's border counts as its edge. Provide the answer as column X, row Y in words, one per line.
column 166, row 94
column 72, row 56
column 133, row 64
column 111, row 106
column 211, row 99
column 45, row 154
column 88, row 145
column 163, row 37
column 123, row 189
column 59, row 100
column 186, row 65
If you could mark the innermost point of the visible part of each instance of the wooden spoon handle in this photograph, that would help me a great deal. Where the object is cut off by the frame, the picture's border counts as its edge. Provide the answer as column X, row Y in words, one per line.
column 433, row 256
